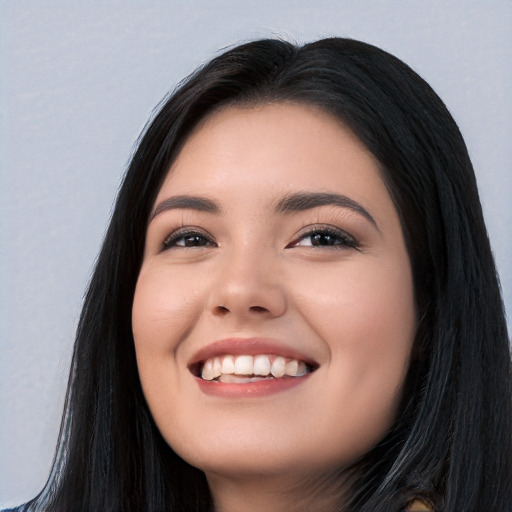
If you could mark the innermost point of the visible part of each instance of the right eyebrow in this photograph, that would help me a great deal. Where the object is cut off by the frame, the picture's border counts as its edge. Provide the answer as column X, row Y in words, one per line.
column 201, row 204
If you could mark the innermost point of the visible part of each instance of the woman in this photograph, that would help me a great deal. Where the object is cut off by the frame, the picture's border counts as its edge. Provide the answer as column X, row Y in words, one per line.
column 295, row 306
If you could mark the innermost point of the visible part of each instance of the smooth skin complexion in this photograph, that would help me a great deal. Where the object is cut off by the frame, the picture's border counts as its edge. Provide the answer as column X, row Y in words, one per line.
column 274, row 234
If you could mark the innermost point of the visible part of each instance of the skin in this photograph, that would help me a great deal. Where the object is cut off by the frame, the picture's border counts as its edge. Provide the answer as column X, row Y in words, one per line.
column 257, row 274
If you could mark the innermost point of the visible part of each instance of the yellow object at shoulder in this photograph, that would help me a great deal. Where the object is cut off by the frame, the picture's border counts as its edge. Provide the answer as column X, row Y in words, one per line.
column 419, row 505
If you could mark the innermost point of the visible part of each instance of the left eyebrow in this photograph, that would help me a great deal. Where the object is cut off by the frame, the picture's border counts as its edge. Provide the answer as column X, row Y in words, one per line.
column 307, row 200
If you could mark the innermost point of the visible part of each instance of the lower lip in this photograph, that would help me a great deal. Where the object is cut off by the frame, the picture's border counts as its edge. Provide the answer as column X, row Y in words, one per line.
column 263, row 387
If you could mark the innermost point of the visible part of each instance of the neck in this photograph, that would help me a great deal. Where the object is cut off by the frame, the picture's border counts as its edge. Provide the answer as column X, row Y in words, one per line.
column 275, row 493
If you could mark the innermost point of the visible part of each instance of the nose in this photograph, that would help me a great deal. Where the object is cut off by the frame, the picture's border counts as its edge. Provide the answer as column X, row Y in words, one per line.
column 248, row 286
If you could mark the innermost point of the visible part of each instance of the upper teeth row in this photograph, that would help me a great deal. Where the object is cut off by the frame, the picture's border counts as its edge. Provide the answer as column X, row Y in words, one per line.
column 253, row 365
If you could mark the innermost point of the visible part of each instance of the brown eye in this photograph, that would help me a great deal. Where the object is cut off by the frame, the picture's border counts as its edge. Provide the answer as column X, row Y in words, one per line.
column 325, row 237
column 184, row 239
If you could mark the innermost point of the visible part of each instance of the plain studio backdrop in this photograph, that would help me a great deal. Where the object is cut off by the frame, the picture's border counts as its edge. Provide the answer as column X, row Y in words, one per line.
column 78, row 82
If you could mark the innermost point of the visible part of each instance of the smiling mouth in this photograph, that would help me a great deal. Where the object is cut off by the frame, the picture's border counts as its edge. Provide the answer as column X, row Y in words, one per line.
column 241, row 369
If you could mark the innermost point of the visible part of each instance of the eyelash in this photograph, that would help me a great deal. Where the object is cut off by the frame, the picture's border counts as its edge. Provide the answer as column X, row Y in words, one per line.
column 342, row 240
column 171, row 241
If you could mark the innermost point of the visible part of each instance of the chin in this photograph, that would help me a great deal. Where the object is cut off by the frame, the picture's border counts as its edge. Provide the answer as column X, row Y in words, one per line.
column 268, row 453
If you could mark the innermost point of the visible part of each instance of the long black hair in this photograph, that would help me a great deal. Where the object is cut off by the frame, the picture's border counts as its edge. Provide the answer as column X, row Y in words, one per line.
column 451, row 441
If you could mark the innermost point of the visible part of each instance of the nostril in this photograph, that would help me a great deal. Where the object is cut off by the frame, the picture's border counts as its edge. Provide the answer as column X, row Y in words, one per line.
column 259, row 309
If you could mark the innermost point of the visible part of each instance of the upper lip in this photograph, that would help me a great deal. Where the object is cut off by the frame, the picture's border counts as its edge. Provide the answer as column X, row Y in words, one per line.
column 248, row 346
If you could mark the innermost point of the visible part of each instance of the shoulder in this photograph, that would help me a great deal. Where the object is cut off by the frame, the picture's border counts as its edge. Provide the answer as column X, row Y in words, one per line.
column 419, row 505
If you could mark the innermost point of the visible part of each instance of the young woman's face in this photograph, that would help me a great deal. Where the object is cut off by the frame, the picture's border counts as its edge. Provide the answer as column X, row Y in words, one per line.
column 274, row 315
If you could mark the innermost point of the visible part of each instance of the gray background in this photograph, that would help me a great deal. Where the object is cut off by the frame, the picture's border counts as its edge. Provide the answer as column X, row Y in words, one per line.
column 79, row 80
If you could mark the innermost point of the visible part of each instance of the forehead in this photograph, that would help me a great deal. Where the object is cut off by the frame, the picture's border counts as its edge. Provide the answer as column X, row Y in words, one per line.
column 273, row 147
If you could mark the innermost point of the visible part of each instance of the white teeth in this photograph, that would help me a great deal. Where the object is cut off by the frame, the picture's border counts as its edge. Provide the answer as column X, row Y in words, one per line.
column 238, row 379
column 244, row 365
column 207, row 373
column 246, row 368
column 291, row 367
column 302, row 369
column 228, row 365
column 278, row 367
column 261, row 365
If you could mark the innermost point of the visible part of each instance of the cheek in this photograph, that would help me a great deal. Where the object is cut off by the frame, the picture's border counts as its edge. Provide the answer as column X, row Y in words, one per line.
column 162, row 312
column 162, row 315
column 360, row 307
column 366, row 317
